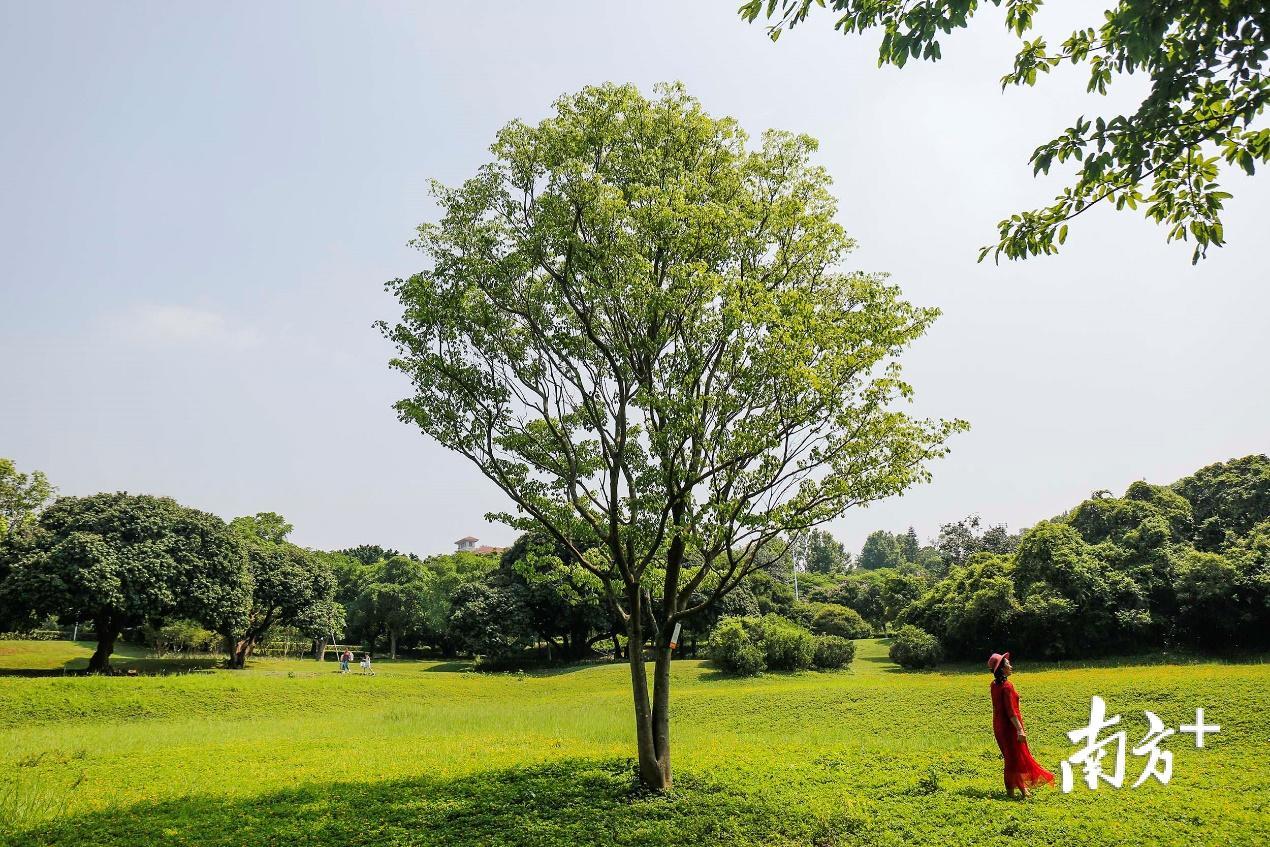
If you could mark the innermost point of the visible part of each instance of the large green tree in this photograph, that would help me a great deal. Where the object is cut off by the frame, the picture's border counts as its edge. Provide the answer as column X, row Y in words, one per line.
column 960, row 540
column 22, row 495
column 1228, row 499
column 289, row 586
column 881, row 549
column 396, row 600
column 120, row 560
column 567, row 606
column 634, row 324
column 1208, row 89
column 817, row 551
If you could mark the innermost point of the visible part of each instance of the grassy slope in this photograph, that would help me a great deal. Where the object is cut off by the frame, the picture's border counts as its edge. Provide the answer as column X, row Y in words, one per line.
column 424, row 753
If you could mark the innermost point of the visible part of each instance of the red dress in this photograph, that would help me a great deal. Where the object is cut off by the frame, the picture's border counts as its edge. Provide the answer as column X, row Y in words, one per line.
column 1021, row 770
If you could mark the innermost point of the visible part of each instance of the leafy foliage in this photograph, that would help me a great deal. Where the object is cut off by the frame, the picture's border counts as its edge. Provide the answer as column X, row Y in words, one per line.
column 915, row 648
column 406, row 600
column 567, row 605
column 181, row 636
column 960, row 540
column 749, row 646
column 489, row 619
column 370, row 554
column 1208, row 90
column 1149, row 569
column 120, row 560
column 22, row 496
column 817, row 551
column 637, row 328
column 881, row 549
column 289, row 586
column 841, row 621
column 732, row 647
column 833, row 652
column 396, row 600
column 1227, row 499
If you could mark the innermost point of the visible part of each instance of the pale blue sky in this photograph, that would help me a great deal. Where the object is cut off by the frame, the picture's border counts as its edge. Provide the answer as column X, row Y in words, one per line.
column 199, row 206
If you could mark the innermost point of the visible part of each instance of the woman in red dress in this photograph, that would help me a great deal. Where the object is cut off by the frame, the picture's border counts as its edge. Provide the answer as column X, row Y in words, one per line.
column 1021, row 770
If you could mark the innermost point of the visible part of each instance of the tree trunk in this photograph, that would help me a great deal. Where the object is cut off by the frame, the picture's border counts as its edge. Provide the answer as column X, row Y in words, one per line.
column 107, row 632
column 242, row 652
column 392, row 643
column 580, row 646
column 652, row 725
column 661, row 709
column 319, row 648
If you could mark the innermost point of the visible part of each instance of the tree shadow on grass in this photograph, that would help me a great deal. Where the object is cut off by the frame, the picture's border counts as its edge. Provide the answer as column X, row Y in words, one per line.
column 468, row 666
column 986, row 794
column 451, row 666
column 571, row 802
column 123, row 665
column 880, row 660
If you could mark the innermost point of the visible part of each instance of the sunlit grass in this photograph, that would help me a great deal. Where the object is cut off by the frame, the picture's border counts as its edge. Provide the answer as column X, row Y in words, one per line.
column 872, row 755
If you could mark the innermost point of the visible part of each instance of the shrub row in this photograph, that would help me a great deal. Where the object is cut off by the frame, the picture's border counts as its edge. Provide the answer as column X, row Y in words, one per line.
column 748, row 646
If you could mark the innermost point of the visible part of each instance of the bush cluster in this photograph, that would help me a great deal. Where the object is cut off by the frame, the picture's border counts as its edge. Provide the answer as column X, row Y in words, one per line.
column 747, row 646
column 915, row 648
column 1186, row 565
column 832, row 619
column 833, row 652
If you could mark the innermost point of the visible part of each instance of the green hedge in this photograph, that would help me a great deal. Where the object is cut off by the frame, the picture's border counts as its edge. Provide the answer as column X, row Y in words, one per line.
column 748, row 646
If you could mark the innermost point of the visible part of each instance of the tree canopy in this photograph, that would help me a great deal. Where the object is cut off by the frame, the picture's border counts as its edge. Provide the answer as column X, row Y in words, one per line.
column 635, row 325
column 120, row 560
column 1208, row 90
column 22, row 495
column 1150, row 569
column 397, row 598
column 817, row 551
column 881, row 549
column 289, row 586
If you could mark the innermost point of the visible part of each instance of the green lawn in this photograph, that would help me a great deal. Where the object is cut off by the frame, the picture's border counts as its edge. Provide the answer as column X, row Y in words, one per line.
column 426, row 753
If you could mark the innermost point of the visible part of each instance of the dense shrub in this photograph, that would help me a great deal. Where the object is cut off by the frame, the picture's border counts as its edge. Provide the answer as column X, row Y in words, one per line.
column 731, row 646
column 833, row 652
column 915, row 648
column 841, row 621
column 748, row 646
column 802, row 614
column 786, row 645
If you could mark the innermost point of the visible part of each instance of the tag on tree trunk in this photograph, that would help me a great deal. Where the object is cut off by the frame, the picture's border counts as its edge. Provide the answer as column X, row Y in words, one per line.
column 674, row 637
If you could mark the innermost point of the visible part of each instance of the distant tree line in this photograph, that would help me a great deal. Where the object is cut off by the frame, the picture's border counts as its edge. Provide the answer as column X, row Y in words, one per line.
column 1186, row 564
column 176, row 578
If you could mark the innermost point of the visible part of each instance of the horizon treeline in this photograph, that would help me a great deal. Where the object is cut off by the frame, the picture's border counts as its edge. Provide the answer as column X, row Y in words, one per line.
column 1186, row 564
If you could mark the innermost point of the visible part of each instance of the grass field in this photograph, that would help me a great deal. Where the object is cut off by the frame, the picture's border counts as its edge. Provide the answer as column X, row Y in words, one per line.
column 426, row 753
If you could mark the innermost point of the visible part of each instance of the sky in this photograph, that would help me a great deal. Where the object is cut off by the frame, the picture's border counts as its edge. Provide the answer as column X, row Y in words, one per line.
column 200, row 205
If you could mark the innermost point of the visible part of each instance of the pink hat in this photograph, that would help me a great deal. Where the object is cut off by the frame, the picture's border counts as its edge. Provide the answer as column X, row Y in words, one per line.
column 996, row 659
